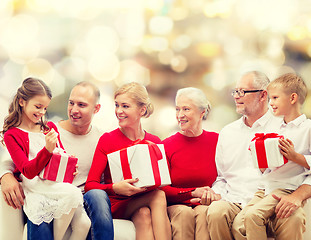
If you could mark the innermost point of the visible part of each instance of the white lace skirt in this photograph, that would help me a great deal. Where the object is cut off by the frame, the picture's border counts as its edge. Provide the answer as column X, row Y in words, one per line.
column 46, row 200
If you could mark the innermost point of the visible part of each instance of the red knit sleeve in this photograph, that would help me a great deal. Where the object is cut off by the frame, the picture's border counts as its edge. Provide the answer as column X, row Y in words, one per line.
column 99, row 166
column 178, row 195
column 16, row 145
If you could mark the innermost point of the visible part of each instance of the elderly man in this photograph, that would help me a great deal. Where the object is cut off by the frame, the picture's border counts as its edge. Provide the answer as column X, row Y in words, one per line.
column 237, row 179
column 80, row 138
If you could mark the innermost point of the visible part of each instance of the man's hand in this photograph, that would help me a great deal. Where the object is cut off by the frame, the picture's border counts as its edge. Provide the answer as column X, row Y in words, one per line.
column 207, row 196
column 198, row 192
column 12, row 191
column 287, row 205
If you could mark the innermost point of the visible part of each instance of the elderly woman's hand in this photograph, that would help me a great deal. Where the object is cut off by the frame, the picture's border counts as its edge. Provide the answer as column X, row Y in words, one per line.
column 208, row 197
column 204, row 195
column 198, row 192
column 126, row 188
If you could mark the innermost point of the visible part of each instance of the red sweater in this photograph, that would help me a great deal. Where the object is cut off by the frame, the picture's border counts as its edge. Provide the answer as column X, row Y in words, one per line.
column 108, row 143
column 191, row 162
column 17, row 143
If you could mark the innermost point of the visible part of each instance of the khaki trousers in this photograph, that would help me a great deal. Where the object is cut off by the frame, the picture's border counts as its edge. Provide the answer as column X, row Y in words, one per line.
column 252, row 221
column 188, row 223
column 220, row 217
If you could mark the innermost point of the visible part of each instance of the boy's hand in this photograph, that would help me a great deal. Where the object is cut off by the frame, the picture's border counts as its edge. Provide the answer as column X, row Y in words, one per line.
column 287, row 149
column 51, row 140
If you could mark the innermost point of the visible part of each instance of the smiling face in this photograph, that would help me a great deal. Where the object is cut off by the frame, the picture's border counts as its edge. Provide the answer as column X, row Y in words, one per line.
column 279, row 101
column 189, row 116
column 34, row 109
column 247, row 105
column 82, row 106
column 127, row 111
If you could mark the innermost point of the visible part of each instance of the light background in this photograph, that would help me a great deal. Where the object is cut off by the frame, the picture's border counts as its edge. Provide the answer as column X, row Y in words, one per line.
column 164, row 44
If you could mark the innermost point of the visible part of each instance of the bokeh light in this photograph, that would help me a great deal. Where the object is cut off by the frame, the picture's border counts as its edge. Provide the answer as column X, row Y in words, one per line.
column 165, row 45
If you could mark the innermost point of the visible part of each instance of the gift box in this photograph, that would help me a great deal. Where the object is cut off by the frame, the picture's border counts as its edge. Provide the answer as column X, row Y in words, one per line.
column 60, row 168
column 265, row 150
column 147, row 162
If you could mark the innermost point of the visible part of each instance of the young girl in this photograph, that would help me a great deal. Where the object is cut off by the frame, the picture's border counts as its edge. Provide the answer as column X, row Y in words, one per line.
column 31, row 149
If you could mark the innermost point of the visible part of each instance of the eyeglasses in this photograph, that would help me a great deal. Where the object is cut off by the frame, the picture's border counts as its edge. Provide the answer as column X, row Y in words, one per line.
column 241, row 92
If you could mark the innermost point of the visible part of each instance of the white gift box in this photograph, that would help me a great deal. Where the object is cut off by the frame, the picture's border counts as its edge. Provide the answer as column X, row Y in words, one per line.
column 138, row 161
column 266, row 152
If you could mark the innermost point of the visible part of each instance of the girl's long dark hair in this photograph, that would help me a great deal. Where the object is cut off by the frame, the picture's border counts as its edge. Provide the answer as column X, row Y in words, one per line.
column 30, row 88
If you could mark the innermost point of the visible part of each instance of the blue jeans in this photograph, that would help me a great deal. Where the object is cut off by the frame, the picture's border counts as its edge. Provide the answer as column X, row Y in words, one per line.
column 98, row 208
column 42, row 231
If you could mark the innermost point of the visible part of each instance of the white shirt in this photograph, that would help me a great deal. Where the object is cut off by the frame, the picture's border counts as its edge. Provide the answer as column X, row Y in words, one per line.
column 291, row 175
column 238, row 179
column 82, row 147
column 6, row 163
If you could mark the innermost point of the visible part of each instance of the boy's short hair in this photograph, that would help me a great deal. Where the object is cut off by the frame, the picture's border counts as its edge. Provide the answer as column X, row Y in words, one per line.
column 291, row 83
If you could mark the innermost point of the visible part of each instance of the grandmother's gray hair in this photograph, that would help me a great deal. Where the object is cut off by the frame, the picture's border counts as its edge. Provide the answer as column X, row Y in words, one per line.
column 198, row 98
column 260, row 80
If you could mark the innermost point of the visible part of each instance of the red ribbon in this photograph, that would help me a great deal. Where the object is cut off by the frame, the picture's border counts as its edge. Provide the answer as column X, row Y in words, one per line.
column 261, row 150
column 155, row 155
column 263, row 136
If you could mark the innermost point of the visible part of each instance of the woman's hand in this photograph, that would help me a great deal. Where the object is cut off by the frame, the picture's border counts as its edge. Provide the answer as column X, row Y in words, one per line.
column 204, row 195
column 198, row 192
column 51, row 140
column 208, row 197
column 126, row 188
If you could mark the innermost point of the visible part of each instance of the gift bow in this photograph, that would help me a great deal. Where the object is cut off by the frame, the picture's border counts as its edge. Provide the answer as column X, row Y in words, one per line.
column 155, row 155
column 260, row 147
column 263, row 136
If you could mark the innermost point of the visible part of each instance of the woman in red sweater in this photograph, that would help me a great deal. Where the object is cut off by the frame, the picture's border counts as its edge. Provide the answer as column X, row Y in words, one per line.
column 191, row 159
column 127, row 201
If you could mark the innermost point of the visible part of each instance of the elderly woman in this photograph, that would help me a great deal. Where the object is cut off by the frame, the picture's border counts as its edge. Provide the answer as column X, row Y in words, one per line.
column 191, row 158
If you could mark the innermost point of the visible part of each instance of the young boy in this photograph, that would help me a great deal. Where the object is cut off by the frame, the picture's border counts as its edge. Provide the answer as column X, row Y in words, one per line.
column 287, row 94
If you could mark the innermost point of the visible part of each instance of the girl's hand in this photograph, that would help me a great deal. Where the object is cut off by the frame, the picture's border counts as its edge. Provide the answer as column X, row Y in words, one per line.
column 126, row 188
column 76, row 172
column 51, row 140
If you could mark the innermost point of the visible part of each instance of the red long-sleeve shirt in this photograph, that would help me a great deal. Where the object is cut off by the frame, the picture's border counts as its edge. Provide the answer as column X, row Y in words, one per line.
column 17, row 143
column 108, row 143
column 191, row 163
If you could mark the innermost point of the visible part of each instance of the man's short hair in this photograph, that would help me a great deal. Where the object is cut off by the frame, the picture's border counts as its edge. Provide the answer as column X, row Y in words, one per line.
column 94, row 88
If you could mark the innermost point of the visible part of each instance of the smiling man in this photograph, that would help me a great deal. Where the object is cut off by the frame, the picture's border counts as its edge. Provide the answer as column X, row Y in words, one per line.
column 237, row 179
column 80, row 138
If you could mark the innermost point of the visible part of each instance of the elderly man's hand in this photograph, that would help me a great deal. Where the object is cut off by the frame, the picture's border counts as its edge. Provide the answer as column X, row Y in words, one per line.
column 12, row 191
column 287, row 205
column 208, row 196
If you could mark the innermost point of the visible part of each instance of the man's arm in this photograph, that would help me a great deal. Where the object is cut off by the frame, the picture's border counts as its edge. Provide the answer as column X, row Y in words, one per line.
column 290, row 203
column 11, row 189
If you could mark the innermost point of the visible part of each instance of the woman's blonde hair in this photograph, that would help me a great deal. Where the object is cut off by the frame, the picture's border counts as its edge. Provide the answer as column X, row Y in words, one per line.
column 139, row 94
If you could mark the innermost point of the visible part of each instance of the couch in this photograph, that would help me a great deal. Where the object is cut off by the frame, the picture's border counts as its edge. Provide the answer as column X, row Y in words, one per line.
column 12, row 226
